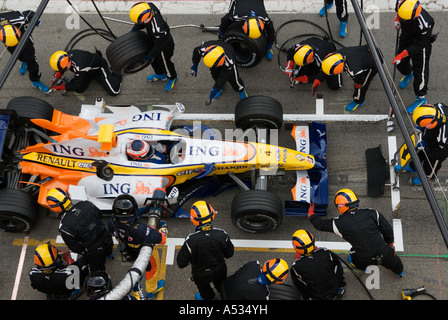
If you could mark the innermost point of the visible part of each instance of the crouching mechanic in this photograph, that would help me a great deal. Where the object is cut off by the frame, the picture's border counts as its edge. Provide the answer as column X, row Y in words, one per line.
column 56, row 274
column 13, row 25
column 358, row 63
column 316, row 272
column 433, row 146
column 220, row 57
column 252, row 281
column 308, row 56
column 86, row 66
column 81, row 228
column 255, row 21
column 206, row 250
column 133, row 235
column 369, row 233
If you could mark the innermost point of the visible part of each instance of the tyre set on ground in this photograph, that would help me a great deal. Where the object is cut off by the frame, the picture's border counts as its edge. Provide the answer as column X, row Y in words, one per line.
column 125, row 54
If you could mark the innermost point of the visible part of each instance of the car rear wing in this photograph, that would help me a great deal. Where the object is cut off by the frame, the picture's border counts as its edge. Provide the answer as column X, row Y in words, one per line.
column 311, row 185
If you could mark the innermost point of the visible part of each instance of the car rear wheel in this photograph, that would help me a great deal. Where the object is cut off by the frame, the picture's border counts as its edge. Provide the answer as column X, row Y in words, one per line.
column 18, row 210
column 257, row 211
column 126, row 52
column 259, row 111
column 31, row 108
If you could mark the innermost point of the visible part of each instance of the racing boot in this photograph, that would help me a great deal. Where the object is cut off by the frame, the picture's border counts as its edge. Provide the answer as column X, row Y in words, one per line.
column 408, row 168
column 170, row 84
column 322, row 11
column 23, row 68
column 419, row 101
column 157, row 77
column 352, row 106
column 405, row 80
column 342, row 29
column 243, row 94
column 416, row 181
column 198, row 296
column 39, row 85
column 160, row 285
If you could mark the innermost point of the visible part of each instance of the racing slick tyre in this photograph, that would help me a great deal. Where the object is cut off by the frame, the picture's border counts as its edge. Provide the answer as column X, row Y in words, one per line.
column 31, row 108
column 249, row 52
column 257, row 211
column 126, row 52
column 283, row 291
column 18, row 210
column 258, row 111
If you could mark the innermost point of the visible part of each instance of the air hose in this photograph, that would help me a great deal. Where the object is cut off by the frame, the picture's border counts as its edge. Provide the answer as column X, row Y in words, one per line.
column 357, row 278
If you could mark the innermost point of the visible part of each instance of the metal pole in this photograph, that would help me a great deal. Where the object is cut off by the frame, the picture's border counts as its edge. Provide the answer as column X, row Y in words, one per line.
column 10, row 64
column 396, row 110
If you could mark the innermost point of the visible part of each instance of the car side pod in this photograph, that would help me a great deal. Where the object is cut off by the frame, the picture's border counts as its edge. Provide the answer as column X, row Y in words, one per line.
column 311, row 185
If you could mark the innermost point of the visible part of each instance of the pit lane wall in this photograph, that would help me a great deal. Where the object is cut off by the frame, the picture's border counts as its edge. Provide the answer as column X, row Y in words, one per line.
column 206, row 6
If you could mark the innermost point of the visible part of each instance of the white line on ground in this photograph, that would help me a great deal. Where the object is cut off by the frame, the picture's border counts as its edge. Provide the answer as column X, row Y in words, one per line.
column 15, row 289
column 318, row 116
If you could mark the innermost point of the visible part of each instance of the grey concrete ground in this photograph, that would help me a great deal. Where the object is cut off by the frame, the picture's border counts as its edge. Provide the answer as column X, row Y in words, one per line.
column 425, row 252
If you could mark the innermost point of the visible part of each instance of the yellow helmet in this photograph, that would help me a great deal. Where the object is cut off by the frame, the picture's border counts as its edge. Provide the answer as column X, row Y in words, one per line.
column 427, row 116
column 253, row 27
column 303, row 55
column 214, row 56
column 141, row 12
column 409, row 9
column 9, row 35
column 45, row 255
column 346, row 200
column 58, row 200
column 303, row 242
column 274, row 271
column 201, row 213
column 333, row 64
column 60, row 61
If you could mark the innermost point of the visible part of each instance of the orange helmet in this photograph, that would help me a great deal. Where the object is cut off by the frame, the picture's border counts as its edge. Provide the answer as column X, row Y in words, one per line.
column 141, row 12
column 333, row 64
column 9, row 35
column 346, row 200
column 201, row 213
column 253, row 27
column 59, row 200
column 45, row 255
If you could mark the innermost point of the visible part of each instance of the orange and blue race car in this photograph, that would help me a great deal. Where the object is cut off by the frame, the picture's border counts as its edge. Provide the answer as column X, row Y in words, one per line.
column 44, row 148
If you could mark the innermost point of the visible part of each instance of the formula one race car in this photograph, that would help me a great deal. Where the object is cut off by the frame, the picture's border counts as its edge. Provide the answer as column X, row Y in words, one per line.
column 44, row 148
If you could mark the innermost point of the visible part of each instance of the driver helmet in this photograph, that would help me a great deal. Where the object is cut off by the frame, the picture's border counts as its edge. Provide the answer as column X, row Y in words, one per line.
column 346, row 200
column 59, row 200
column 140, row 150
column 9, row 35
column 253, row 26
column 274, row 271
column 141, row 12
column 303, row 55
column 60, row 61
column 125, row 206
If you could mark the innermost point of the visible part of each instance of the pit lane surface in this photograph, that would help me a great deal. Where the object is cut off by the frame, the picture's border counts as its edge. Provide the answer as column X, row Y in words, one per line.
column 423, row 253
